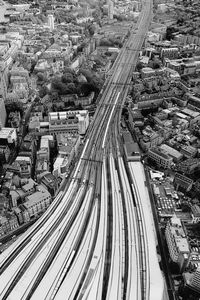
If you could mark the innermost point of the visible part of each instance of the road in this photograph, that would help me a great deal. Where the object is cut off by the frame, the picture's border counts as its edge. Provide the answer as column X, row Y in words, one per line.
column 92, row 242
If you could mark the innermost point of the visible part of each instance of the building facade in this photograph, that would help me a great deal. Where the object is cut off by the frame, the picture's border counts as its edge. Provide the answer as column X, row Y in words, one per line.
column 177, row 243
column 160, row 158
column 68, row 121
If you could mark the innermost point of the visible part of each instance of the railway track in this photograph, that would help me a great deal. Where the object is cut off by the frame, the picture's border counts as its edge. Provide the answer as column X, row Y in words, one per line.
column 75, row 231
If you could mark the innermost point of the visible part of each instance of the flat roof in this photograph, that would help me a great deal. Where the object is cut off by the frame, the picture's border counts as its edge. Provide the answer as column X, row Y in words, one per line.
column 190, row 112
column 35, row 198
column 6, row 131
column 157, row 283
column 160, row 153
column 171, row 151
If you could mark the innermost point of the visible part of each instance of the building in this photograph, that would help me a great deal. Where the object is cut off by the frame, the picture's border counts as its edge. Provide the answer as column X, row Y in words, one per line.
column 37, row 202
column 51, row 22
column 196, row 279
column 25, row 214
column 19, row 215
column 176, row 155
column 195, row 212
column 150, row 138
column 9, row 222
column 177, row 242
column 110, row 9
column 5, row 226
column 23, row 163
column 29, row 187
column 10, row 43
column 71, row 140
column 68, row 121
column 191, row 113
column 147, row 72
column 8, row 136
column 49, row 181
column 188, row 151
column 34, row 124
column 162, row 159
column 60, row 166
column 4, row 154
column 189, row 166
column 28, row 147
column 171, row 53
column 131, row 148
column 2, row 113
column 16, row 196
column 182, row 181
column 41, row 166
column 44, row 151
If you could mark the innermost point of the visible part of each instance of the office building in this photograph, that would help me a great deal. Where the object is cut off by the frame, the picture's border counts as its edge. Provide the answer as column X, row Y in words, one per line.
column 68, row 121
column 176, row 155
column 177, row 242
column 160, row 158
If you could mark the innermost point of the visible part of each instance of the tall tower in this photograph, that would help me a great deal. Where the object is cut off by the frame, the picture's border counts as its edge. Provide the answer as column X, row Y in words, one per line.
column 51, row 22
column 110, row 9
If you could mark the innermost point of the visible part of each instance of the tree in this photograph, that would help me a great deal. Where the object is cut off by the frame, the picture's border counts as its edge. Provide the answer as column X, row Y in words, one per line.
column 43, row 91
column 174, row 267
column 81, row 47
column 91, row 29
column 67, row 78
column 69, row 70
column 33, row 64
column 174, row 121
column 41, row 76
column 156, row 65
column 118, row 43
column 125, row 112
column 139, row 66
column 37, row 99
column 119, row 18
column 62, row 88
column 185, row 207
column 71, row 87
column 79, row 107
column 54, row 95
column 86, row 88
column 169, row 33
column 88, row 74
column 105, row 42
column 14, row 106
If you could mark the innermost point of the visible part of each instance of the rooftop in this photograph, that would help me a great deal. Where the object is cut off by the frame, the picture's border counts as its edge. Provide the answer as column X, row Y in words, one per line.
column 35, row 198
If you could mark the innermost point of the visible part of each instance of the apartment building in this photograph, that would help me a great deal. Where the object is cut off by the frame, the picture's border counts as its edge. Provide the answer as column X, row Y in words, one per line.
column 177, row 242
